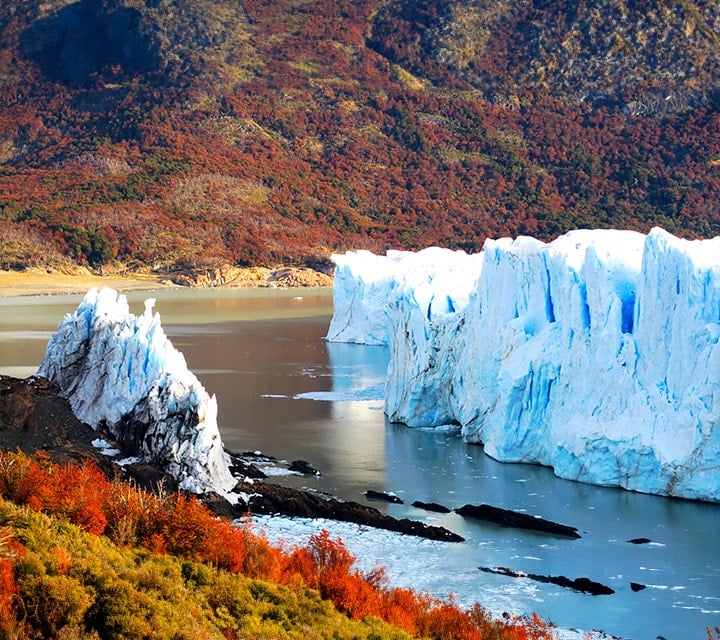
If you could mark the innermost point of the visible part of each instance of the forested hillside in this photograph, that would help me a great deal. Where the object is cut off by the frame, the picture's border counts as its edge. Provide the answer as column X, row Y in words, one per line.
column 190, row 133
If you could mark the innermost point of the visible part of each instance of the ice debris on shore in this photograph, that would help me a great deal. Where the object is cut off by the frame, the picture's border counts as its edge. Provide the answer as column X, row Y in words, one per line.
column 597, row 354
column 122, row 374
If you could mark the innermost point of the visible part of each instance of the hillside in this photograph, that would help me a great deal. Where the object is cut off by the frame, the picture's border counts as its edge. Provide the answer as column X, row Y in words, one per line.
column 645, row 57
column 174, row 134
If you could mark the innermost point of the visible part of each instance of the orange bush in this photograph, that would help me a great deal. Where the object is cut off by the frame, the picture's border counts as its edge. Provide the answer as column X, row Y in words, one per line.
column 10, row 549
column 134, row 516
column 445, row 621
column 77, row 492
column 8, row 592
column 325, row 564
column 403, row 608
column 261, row 559
column 298, row 567
column 524, row 629
column 186, row 527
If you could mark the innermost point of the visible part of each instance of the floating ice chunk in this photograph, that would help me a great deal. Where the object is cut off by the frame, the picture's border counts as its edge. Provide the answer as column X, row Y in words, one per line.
column 374, row 392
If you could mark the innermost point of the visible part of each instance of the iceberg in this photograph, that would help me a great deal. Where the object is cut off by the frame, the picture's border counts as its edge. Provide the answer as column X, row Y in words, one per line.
column 596, row 354
column 122, row 376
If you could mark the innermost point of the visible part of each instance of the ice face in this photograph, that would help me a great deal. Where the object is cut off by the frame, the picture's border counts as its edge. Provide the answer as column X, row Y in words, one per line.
column 121, row 373
column 440, row 279
column 596, row 354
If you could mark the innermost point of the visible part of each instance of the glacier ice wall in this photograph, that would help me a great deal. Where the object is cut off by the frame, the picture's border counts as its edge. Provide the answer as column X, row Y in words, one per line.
column 597, row 354
column 364, row 281
column 121, row 373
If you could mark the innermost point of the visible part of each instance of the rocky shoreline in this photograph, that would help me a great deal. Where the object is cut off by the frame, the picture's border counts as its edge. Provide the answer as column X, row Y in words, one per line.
column 34, row 418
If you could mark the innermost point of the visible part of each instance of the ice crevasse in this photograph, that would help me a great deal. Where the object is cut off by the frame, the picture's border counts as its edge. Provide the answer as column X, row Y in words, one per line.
column 122, row 374
column 597, row 354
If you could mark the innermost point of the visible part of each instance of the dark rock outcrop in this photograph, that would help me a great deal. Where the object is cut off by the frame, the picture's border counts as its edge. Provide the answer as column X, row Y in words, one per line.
column 33, row 417
column 383, row 496
column 431, row 506
column 268, row 498
column 514, row 519
column 640, row 541
column 303, row 467
column 585, row 585
column 241, row 467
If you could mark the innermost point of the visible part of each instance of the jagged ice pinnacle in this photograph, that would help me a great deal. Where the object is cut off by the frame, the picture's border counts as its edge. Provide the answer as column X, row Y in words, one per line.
column 122, row 374
column 597, row 354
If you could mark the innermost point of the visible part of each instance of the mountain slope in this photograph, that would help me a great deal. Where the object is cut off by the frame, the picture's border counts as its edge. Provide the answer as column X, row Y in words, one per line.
column 663, row 55
column 177, row 134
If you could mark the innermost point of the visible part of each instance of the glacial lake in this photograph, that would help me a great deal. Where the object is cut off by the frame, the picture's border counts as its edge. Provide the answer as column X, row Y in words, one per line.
column 283, row 390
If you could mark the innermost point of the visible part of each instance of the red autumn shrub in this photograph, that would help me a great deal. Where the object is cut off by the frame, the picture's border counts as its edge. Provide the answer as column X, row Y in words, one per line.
column 298, row 567
column 134, row 516
column 78, row 493
column 403, row 608
column 446, row 621
column 8, row 593
column 10, row 549
column 261, row 559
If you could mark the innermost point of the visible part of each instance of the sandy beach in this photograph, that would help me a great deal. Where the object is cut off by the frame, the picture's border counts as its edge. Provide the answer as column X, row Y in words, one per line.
column 34, row 283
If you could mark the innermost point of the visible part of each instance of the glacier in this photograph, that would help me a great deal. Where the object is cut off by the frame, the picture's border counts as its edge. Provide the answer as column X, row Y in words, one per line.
column 363, row 281
column 122, row 375
column 596, row 354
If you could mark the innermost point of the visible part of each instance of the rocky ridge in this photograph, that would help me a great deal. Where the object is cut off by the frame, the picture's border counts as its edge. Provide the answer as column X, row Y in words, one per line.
column 230, row 276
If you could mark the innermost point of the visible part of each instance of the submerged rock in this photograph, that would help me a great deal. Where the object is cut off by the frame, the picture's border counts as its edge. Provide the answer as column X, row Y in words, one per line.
column 371, row 494
column 303, row 467
column 431, row 506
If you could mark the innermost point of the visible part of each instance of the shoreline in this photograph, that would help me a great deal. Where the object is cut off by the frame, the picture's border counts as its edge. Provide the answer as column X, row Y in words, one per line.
column 47, row 282
column 42, row 283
